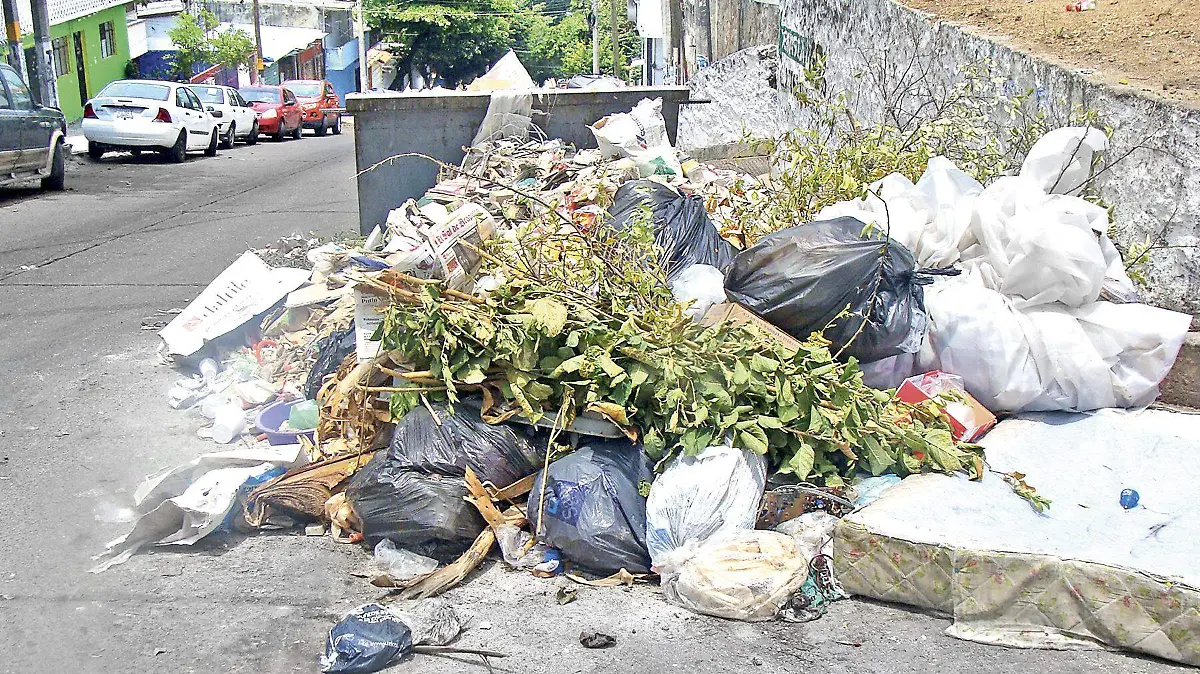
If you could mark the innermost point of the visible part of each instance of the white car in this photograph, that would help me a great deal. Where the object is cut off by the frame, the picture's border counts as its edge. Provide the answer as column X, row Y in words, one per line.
column 137, row 115
column 237, row 119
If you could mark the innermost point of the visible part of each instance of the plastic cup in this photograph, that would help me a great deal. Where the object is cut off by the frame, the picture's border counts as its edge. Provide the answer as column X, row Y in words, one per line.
column 229, row 422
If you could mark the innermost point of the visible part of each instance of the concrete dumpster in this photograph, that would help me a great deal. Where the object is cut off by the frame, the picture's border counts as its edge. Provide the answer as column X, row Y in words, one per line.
column 441, row 123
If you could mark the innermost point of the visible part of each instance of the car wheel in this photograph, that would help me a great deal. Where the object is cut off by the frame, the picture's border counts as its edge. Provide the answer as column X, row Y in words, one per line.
column 253, row 137
column 58, row 170
column 178, row 151
column 211, row 150
column 229, row 136
column 298, row 132
column 279, row 134
column 95, row 151
column 322, row 129
column 337, row 125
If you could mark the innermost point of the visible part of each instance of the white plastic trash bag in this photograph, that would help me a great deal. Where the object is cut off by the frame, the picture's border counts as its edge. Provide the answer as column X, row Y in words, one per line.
column 701, row 497
column 747, row 575
column 701, row 284
column 626, row 134
column 1060, row 162
column 977, row 334
column 1137, row 342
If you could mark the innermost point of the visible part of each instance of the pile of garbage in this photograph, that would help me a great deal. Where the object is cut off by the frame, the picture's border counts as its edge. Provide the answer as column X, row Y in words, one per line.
column 570, row 356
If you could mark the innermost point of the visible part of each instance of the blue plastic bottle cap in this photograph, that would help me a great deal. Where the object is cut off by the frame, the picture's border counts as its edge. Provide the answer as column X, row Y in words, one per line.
column 1129, row 498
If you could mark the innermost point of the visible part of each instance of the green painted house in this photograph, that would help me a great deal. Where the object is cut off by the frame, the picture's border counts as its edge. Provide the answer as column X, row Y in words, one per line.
column 90, row 44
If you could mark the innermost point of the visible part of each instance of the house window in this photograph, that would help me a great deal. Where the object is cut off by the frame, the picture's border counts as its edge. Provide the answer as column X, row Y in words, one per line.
column 108, row 40
column 61, row 62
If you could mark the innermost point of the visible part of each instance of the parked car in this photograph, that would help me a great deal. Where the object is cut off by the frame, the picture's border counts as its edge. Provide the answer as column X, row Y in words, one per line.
column 236, row 118
column 279, row 114
column 31, row 136
column 322, row 109
column 138, row 115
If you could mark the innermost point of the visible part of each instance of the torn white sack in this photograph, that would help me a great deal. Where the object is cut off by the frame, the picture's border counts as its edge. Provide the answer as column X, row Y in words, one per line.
column 183, row 504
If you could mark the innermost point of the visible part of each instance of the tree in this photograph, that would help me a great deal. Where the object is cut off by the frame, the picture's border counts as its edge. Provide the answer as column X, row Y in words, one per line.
column 198, row 42
column 457, row 40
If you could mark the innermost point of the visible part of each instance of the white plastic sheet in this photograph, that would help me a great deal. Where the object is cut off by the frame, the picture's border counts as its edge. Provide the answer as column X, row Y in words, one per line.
column 701, row 497
column 1060, row 162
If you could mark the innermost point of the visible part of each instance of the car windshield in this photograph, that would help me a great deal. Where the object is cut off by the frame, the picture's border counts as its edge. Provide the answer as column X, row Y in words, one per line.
column 154, row 92
column 256, row 95
column 208, row 94
column 305, row 89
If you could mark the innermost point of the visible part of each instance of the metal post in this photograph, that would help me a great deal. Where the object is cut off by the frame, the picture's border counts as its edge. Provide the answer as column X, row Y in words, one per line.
column 364, row 75
column 12, row 27
column 616, row 44
column 256, row 71
column 46, row 86
column 595, row 37
column 675, row 52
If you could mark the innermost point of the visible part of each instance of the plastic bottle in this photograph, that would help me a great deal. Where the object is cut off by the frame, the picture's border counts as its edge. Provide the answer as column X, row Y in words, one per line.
column 303, row 416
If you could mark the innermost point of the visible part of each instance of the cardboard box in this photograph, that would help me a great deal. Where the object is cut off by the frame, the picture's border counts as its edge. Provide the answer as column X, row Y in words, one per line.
column 969, row 420
column 731, row 311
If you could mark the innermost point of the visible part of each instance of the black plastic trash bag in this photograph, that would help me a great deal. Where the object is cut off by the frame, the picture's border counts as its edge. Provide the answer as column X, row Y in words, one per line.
column 681, row 225
column 501, row 454
column 593, row 511
column 366, row 640
column 332, row 349
column 799, row 279
column 425, row 514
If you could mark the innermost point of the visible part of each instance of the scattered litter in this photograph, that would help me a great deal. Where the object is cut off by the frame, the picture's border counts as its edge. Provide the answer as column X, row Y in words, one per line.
column 596, row 640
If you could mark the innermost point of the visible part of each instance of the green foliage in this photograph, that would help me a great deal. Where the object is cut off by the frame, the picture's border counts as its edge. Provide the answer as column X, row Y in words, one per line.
column 459, row 39
column 190, row 35
column 199, row 42
column 560, row 47
column 586, row 325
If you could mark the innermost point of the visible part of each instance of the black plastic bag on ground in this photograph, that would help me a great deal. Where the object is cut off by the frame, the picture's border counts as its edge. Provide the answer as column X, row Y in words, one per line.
column 501, row 454
column 799, row 279
column 365, row 641
column 425, row 514
column 593, row 511
column 681, row 225
column 332, row 349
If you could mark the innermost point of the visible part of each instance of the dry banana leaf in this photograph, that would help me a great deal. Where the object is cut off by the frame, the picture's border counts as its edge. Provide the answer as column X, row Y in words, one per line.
column 303, row 491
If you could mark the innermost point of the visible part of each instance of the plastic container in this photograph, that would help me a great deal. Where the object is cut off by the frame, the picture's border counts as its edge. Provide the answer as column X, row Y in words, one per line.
column 272, row 417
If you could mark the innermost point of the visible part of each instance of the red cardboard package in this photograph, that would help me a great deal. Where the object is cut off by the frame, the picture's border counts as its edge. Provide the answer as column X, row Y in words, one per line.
column 969, row 420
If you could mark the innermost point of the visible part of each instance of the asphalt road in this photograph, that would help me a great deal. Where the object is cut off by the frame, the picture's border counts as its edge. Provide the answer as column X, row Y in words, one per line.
column 83, row 418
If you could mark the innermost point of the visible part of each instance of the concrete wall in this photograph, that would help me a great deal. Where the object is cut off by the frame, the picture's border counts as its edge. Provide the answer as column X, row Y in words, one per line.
column 743, row 103
column 1154, row 191
column 441, row 124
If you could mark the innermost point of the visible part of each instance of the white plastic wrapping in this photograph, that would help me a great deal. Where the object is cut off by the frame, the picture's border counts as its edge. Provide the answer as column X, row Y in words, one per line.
column 701, row 497
column 1060, row 162
column 747, row 575
column 701, row 284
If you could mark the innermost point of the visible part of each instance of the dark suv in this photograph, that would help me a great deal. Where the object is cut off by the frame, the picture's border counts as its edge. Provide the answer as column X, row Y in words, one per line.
column 31, row 136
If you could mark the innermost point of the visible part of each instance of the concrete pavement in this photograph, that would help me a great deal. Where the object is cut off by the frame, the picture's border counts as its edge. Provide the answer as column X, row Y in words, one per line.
column 84, row 419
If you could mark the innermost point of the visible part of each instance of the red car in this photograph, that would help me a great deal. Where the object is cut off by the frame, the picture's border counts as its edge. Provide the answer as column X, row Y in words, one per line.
column 322, row 109
column 279, row 113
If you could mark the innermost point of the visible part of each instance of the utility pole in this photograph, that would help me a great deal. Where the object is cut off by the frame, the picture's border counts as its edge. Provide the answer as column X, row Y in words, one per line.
column 256, row 71
column 363, row 74
column 595, row 37
column 616, row 45
column 675, row 51
column 47, row 86
column 12, row 27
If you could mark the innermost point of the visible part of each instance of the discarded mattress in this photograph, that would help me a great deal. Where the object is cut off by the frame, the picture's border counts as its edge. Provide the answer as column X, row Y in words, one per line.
column 1086, row 574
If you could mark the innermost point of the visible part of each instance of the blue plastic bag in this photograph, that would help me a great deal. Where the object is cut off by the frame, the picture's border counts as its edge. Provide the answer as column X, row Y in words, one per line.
column 366, row 640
